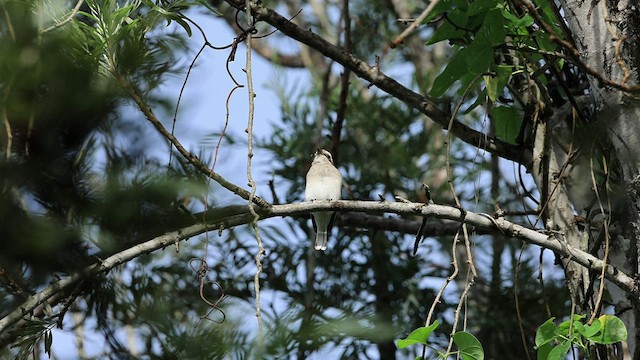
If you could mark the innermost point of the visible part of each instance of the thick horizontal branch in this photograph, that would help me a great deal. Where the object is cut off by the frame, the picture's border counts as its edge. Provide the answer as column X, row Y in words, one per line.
column 228, row 217
column 399, row 225
column 387, row 84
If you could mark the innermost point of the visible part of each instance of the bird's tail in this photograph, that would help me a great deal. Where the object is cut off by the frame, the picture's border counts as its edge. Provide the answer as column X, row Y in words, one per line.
column 321, row 241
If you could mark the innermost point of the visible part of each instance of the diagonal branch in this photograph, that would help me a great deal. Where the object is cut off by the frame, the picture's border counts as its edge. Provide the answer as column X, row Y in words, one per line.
column 227, row 217
column 373, row 74
column 193, row 159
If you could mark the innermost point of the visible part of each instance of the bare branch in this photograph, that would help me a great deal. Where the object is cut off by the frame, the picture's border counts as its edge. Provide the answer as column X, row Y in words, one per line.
column 228, row 217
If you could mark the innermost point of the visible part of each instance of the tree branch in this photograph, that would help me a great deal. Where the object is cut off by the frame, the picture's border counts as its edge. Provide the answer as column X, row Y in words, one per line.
column 263, row 48
column 373, row 74
column 193, row 159
column 227, row 217
column 401, row 225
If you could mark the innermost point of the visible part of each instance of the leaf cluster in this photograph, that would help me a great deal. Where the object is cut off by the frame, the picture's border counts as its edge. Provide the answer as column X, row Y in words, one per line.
column 553, row 342
column 469, row 348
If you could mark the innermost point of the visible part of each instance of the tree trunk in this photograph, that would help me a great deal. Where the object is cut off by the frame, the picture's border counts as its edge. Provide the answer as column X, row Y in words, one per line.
column 606, row 34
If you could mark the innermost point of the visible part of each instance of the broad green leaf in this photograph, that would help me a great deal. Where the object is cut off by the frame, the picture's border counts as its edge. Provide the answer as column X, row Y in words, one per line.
column 612, row 330
column 495, row 84
column 461, row 4
column 578, row 327
column 446, row 31
column 543, row 351
column 468, row 345
column 455, row 69
column 515, row 22
column 507, row 122
column 563, row 328
column 491, row 83
column 493, row 28
column 479, row 56
column 546, row 332
column 451, row 28
column 559, row 352
column 478, row 7
column 590, row 330
column 417, row 336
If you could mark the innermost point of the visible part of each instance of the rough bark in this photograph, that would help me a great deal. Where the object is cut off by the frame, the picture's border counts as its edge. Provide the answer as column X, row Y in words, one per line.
column 606, row 33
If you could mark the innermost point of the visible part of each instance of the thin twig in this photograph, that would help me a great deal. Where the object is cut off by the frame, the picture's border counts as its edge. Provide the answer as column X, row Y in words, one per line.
column 73, row 13
column 414, row 25
column 620, row 40
column 184, row 85
column 436, row 300
column 607, row 236
column 471, row 276
column 449, row 138
column 344, row 87
column 252, row 183
column 523, row 336
column 7, row 128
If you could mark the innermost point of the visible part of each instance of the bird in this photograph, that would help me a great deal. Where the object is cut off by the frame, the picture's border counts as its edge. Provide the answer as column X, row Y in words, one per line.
column 324, row 182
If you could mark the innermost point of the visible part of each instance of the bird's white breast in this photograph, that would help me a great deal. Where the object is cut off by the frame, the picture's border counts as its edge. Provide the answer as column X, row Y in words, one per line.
column 324, row 182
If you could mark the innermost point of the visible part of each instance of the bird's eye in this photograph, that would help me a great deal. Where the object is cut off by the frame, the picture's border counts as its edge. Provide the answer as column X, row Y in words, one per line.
column 329, row 157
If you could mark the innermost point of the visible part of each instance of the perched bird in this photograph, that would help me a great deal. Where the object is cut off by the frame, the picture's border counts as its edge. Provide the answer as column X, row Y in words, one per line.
column 324, row 182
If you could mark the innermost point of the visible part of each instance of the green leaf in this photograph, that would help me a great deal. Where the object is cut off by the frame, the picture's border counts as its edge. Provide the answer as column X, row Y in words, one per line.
column 590, row 330
column 205, row 3
column 559, row 352
column 563, row 328
column 479, row 101
column 493, row 28
column 507, row 121
column 478, row 7
column 495, row 84
column 468, row 345
column 417, row 336
column 455, row 69
column 546, row 332
column 543, row 351
column 515, row 22
column 184, row 25
column 478, row 56
column 446, row 31
column 611, row 331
